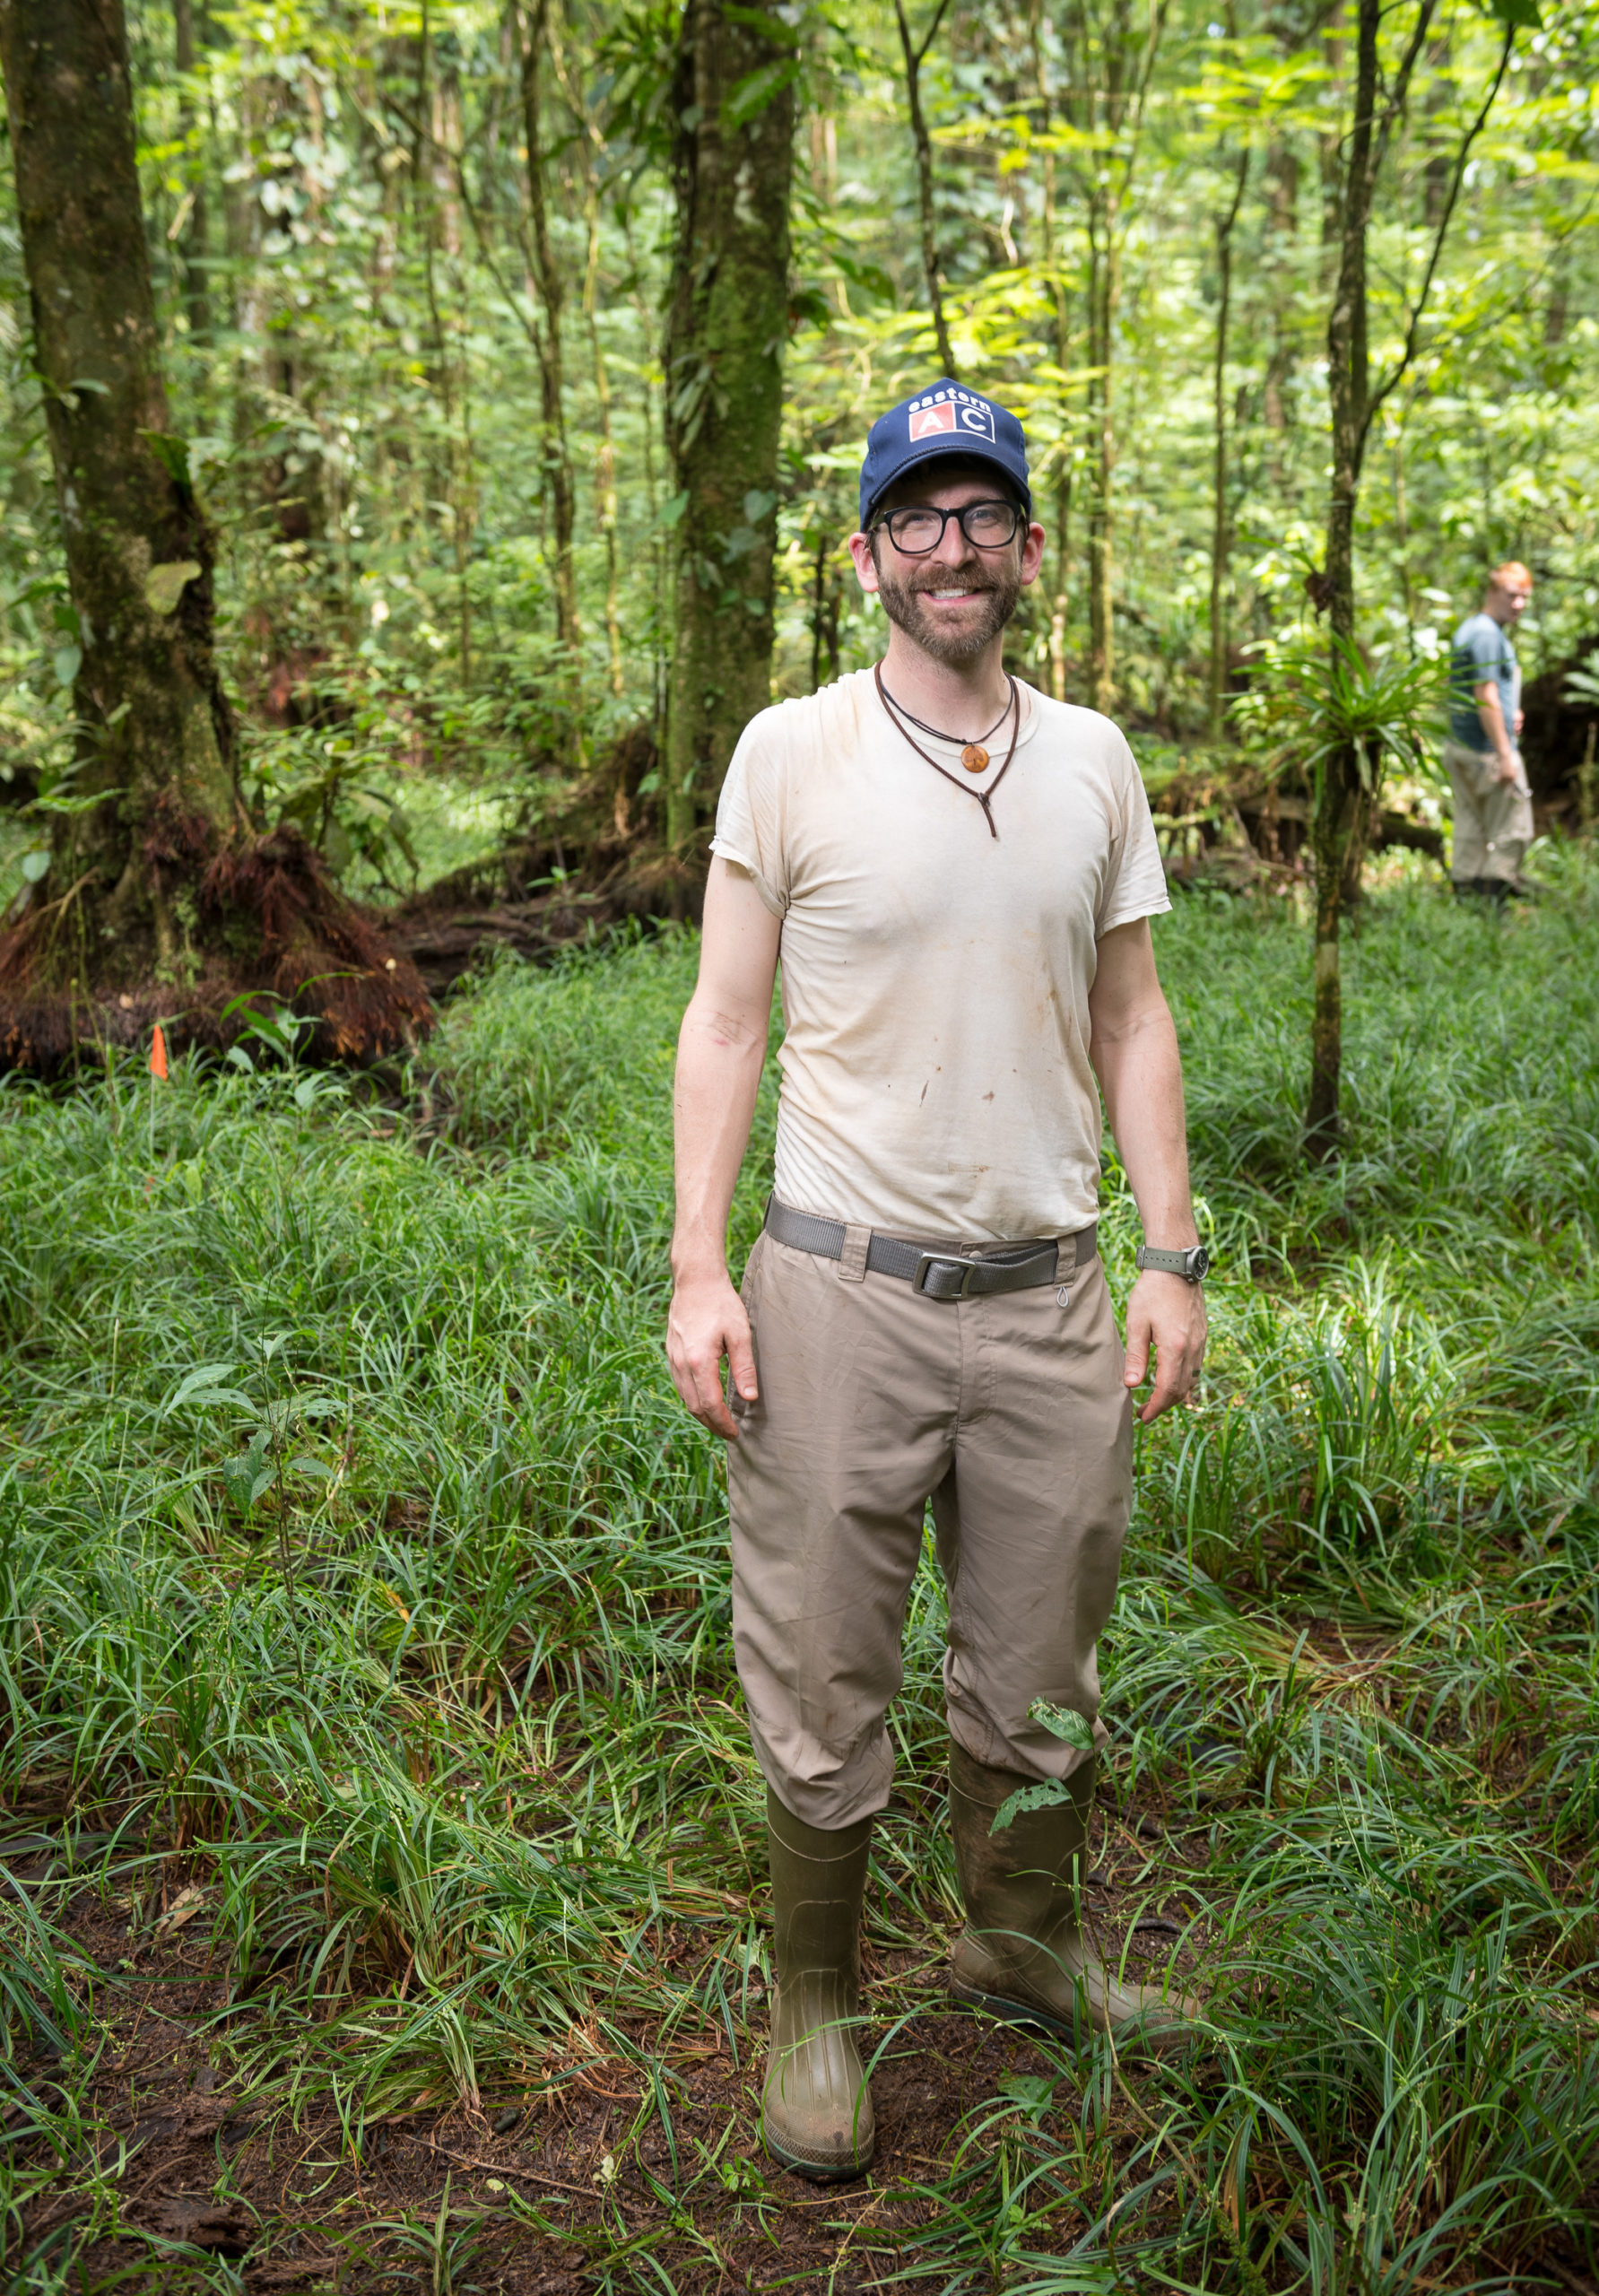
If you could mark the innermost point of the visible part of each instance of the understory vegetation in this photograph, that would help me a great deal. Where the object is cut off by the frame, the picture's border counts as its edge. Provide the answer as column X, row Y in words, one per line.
column 385, row 1857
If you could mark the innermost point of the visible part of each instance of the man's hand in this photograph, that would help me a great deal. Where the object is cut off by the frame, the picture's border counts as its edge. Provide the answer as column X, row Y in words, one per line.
column 707, row 1321
column 1489, row 712
column 1165, row 1312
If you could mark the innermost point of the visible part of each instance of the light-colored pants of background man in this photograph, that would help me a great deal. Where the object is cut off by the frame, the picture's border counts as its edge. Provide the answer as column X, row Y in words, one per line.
column 1493, row 819
column 1010, row 1412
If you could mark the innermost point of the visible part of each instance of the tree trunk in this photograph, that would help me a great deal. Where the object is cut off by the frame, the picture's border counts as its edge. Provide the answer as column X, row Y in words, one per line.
column 1050, row 258
column 1339, row 796
column 605, row 461
column 1110, row 62
column 132, row 899
column 156, row 733
column 558, row 458
column 726, row 323
column 1345, row 801
column 915, row 57
column 190, row 33
column 1282, row 231
column 825, row 605
column 1103, row 290
column 1220, row 524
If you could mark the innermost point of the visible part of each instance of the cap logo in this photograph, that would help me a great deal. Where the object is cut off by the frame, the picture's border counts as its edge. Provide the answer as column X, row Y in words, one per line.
column 955, row 410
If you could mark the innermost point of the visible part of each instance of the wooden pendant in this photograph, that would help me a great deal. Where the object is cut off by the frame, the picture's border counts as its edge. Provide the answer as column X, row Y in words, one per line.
column 974, row 757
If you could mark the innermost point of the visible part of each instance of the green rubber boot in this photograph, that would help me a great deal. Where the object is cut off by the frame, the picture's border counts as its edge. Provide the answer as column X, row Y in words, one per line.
column 815, row 2105
column 1022, row 1955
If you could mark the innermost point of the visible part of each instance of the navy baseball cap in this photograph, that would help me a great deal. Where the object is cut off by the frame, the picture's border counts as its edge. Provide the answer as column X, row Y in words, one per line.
column 944, row 419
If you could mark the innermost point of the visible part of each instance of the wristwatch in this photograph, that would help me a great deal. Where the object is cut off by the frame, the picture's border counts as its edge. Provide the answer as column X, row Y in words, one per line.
column 1191, row 1265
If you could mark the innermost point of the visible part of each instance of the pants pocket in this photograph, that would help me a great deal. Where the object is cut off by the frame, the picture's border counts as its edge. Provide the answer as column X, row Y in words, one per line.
column 748, row 1292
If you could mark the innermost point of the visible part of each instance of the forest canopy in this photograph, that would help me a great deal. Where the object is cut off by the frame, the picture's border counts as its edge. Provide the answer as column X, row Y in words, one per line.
column 419, row 276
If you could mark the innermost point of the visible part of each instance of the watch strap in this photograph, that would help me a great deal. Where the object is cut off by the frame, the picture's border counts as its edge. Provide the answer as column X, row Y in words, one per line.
column 1191, row 1264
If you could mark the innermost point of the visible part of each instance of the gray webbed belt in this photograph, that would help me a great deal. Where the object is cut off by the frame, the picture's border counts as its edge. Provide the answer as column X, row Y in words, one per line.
column 940, row 1275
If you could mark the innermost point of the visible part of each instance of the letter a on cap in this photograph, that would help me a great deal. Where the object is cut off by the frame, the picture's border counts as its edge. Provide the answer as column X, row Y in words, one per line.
column 926, row 420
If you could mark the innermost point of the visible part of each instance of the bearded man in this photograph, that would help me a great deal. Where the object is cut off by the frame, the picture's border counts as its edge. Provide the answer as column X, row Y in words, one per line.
column 958, row 874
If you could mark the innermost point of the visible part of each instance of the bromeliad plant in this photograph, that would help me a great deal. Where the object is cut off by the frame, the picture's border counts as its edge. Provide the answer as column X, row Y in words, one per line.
column 1341, row 718
column 1311, row 701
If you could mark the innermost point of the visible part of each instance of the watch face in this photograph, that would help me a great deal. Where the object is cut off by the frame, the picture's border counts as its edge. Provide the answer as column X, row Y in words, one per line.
column 1199, row 1260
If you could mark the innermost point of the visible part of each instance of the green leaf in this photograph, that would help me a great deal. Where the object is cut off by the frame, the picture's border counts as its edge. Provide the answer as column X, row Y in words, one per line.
column 164, row 585
column 245, row 1478
column 205, row 1386
column 1030, row 2090
column 752, row 96
column 34, row 866
column 206, row 1376
column 1061, row 1722
column 809, row 303
column 170, row 451
column 1518, row 14
column 65, row 661
column 1048, row 1794
column 671, row 512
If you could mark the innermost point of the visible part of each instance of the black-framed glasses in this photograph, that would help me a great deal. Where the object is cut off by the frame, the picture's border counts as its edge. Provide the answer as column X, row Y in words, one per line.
column 918, row 529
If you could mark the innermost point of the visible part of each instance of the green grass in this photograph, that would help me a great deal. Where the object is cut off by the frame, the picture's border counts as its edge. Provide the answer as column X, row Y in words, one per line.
column 360, row 1570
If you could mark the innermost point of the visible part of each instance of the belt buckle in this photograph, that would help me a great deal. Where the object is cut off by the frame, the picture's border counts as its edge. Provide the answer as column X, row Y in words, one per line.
column 929, row 1260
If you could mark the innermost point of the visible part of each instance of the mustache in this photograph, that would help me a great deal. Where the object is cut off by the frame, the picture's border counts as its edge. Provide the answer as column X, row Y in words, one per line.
column 972, row 576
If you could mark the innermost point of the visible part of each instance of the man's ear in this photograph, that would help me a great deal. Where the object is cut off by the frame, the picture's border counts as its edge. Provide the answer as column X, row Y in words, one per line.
column 865, row 564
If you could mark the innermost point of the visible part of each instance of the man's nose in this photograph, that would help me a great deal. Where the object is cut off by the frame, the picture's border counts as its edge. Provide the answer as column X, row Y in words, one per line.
column 953, row 549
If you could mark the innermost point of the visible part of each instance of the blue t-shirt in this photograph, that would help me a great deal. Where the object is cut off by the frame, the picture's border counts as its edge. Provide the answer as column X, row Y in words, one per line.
column 1482, row 650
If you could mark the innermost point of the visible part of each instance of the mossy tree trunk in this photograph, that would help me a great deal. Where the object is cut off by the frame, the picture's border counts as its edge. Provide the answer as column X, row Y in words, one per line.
column 1346, row 798
column 534, row 32
column 155, row 878
column 155, row 737
column 1336, row 823
column 1221, row 520
column 727, row 320
column 1104, row 298
column 916, row 55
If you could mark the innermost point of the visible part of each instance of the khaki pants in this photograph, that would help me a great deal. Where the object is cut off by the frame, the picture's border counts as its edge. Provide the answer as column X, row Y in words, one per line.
column 1493, row 819
column 1011, row 1414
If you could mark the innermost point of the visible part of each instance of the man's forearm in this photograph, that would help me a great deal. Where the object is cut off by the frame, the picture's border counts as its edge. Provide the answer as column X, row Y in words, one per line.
column 1494, row 726
column 1141, row 1074
column 719, row 1062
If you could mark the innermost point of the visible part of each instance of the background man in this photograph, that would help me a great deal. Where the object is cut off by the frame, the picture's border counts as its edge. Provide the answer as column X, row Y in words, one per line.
column 959, row 875
column 1493, row 805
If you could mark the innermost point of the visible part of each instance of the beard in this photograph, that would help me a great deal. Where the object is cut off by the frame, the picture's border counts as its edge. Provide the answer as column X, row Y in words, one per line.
column 901, row 601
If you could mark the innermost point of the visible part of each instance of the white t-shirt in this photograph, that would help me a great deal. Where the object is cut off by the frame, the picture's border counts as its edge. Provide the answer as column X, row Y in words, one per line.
column 935, row 980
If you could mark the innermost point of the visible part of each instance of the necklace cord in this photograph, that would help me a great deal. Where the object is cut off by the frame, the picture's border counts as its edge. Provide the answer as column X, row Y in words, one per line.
column 956, row 741
column 982, row 796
